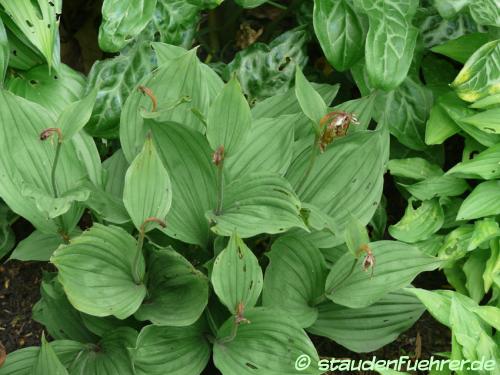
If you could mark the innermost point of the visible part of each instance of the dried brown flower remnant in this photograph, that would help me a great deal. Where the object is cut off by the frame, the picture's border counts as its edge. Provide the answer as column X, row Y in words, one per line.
column 369, row 260
column 240, row 311
column 218, row 156
column 147, row 91
column 334, row 125
column 47, row 133
column 247, row 36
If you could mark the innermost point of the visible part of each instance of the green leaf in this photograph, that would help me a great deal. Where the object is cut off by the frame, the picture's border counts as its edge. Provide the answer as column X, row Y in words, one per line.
column 488, row 121
column 257, row 203
column 343, row 181
column 175, row 103
column 483, row 201
column 461, row 49
column 492, row 266
column 450, row 8
column 250, row 3
column 55, row 312
column 491, row 101
column 418, row 223
column 405, row 110
column 264, row 70
column 109, row 356
column 484, row 165
column 186, row 155
column 229, row 119
column 414, row 168
column 47, row 362
column 114, row 170
column 310, row 100
column 367, row 329
column 23, row 54
column 21, row 362
column 37, row 246
column 480, row 75
column 484, row 230
column 474, row 268
column 237, row 276
column 456, row 243
column 258, row 153
column 283, row 339
column 490, row 314
column 390, row 42
column 485, row 12
column 397, row 264
column 39, row 22
column 117, row 78
column 437, row 303
column 53, row 91
column 153, row 354
column 295, row 278
column 440, row 186
column 176, row 21
column 148, row 191
column 95, row 270
column 440, row 125
column 340, row 31
column 122, row 21
column 355, row 236
column 4, row 51
column 177, row 292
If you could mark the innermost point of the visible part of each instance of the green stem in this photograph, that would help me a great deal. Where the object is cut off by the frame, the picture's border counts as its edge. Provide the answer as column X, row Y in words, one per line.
column 220, row 187
column 312, row 160
column 54, row 166
column 232, row 336
column 275, row 4
column 318, row 300
column 138, row 253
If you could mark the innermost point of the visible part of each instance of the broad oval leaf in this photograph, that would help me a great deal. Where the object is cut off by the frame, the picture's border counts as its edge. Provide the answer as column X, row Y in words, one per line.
column 147, row 191
column 418, row 223
column 229, row 119
column 480, row 76
column 122, row 20
column 257, row 203
column 237, row 276
column 483, row 201
column 390, row 42
column 369, row 328
column 440, row 186
column 485, row 165
column 177, row 292
column 96, row 271
column 397, row 264
column 37, row 246
column 186, row 155
column 414, row 168
column 283, row 339
column 340, row 31
column 295, row 279
column 171, row 350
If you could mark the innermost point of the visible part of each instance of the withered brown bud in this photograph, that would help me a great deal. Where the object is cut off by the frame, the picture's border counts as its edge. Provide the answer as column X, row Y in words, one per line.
column 369, row 260
column 218, row 156
column 334, row 125
column 240, row 311
column 147, row 91
column 47, row 133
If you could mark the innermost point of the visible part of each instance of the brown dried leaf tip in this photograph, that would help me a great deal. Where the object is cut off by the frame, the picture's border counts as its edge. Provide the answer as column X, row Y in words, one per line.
column 47, row 133
column 240, row 312
column 218, row 156
column 334, row 125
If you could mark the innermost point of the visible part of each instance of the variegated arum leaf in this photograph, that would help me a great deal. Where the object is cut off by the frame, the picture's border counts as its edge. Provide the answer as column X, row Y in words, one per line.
column 295, row 278
column 396, row 265
column 237, row 277
column 177, row 292
column 147, row 191
column 341, row 32
column 485, row 12
column 96, row 271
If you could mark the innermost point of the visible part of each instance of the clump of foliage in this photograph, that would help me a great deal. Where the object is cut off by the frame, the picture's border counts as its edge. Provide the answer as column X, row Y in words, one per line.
column 236, row 207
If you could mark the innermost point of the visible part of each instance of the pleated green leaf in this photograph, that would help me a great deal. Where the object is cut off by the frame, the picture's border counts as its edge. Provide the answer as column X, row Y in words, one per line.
column 175, row 102
column 122, row 21
column 390, row 42
column 53, row 91
column 257, row 203
column 440, row 186
column 344, row 181
column 418, row 223
column 485, row 165
column 39, row 22
column 4, row 51
column 310, row 100
column 236, row 276
column 177, row 292
column 295, row 278
column 488, row 121
column 414, row 168
column 37, row 246
column 229, row 119
column 47, row 362
column 258, row 153
column 148, row 190
column 171, row 350
column 269, row 344
column 96, row 272
column 483, row 201
column 396, row 265
column 110, row 356
column 367, row 329
column 186, row 155
column 480, row 76
column 340, row 31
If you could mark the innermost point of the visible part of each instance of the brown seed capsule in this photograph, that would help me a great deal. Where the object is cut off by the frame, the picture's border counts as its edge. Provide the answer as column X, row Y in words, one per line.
column 334, row 125
column 147, row 91
column 218, row 156
column 240, row 311
column 47, row 133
